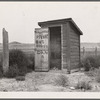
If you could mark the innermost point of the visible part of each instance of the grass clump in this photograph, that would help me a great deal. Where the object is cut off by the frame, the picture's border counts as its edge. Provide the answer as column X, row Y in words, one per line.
column 62, row 80
column 98, row 76
column 83, row 85
column 90, row 62
column 92, row 73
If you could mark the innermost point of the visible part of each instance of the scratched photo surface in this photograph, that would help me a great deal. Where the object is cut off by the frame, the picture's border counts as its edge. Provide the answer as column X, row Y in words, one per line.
column 50, row 47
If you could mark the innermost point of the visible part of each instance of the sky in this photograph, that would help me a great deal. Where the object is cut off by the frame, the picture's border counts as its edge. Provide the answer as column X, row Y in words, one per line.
column 21, row 18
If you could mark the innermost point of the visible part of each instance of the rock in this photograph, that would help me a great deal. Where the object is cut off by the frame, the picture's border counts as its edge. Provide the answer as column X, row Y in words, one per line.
column 72, row 88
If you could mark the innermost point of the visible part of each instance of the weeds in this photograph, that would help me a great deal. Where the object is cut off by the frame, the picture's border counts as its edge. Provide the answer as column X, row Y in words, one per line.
column 83, row 85
column 92, row 73
column 1, row 68
column 90, row 62
column 98, row 76
column 62, row 80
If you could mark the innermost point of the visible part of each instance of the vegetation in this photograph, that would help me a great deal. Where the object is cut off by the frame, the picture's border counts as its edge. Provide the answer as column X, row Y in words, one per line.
column 98, row 76
column 92, row 73
column 18, row 63
column 62, row 80
column 83, row 85
column 90, row 62
column 31, row 61
column 1, row 69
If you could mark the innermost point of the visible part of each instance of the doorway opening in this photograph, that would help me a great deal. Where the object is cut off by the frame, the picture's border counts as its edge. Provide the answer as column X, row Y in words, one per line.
column 55, row 47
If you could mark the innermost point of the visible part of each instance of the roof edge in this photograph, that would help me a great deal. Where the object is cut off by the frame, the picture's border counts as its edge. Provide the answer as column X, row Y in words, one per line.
column 61, row 21
column 55, row 21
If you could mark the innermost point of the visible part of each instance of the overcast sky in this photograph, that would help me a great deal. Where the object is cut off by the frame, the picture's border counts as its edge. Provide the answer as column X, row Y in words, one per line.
column 21, row 18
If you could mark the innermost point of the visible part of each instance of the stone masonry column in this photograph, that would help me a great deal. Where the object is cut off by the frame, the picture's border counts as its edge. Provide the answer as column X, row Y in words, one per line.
column 5, row 51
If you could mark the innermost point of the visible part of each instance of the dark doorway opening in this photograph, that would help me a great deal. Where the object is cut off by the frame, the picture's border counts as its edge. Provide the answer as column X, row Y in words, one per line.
column 55, row 47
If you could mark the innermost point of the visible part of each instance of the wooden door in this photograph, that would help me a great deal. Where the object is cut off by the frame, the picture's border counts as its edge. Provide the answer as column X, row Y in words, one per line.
column 41, row 49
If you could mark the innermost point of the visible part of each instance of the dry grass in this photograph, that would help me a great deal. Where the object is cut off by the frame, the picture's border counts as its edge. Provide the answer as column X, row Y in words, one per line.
column 94, row 74
column 61, row 80
column 46, row 81
column 83, row 85
column 97, row 77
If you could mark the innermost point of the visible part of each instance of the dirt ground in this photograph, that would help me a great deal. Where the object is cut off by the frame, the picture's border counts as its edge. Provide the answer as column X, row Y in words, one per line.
column 44, row 81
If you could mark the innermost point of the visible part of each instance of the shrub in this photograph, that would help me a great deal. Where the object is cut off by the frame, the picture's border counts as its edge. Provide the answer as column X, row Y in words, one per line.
column 31, row 62
column 12, row 72
column 97, row 58
column 18, row 63
column 17, row 57
column 83, row 85
column 98, row 76
column 92, row 73
column 62, row 80
column 90, row 62
column 1, row 69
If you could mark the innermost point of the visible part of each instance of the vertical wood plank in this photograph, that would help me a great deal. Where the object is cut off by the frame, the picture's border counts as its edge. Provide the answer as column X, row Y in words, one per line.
column 49, row 52
column 68, row 47
column 61, row 47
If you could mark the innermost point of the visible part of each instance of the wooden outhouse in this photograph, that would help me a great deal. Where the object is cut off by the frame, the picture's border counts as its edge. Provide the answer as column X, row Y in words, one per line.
column 57, row 45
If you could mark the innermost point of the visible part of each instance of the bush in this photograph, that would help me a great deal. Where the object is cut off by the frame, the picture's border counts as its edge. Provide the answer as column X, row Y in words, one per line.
column 1, row 69
column 31, row 62
column 83, row 85
column 90, row 62
column 62, row 80
column 98, row 76
column 18, row 63
column 92, row 73
column 12, row 72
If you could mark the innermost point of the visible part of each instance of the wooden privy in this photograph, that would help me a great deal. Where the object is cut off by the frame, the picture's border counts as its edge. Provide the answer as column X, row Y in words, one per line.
column 57, row 45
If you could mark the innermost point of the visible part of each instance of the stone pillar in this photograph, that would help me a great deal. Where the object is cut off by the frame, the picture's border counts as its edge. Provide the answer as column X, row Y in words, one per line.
column 5, row 51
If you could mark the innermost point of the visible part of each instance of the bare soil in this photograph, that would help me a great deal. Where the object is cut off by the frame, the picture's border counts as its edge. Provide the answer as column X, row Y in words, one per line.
column 44, row 81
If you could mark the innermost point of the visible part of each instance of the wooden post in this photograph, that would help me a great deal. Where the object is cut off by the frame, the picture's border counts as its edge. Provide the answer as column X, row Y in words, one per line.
column 5, row 51
column 83, row 52
column 96, row 51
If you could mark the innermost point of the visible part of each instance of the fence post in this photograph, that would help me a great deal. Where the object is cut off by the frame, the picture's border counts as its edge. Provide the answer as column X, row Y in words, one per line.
column 83, row 52
column 95, row 51
column 5, row 51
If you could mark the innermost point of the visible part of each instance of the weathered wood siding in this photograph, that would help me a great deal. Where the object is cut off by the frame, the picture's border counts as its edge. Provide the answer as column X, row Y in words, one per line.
column 41, row 52
column 74, row 47
column 65, row 47
column 70, row 45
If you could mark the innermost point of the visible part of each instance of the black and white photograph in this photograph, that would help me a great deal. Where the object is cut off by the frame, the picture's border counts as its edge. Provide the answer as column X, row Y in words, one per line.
column 50, row 47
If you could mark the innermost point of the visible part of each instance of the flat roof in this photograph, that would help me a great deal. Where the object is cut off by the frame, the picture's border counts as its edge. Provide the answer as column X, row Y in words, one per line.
column 61, row 21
